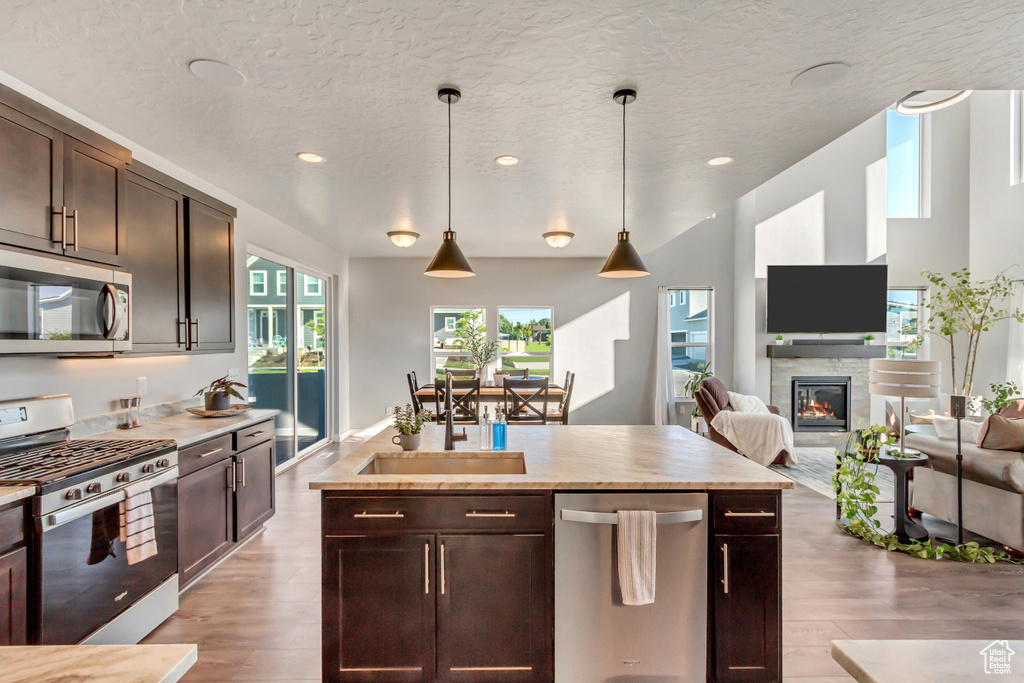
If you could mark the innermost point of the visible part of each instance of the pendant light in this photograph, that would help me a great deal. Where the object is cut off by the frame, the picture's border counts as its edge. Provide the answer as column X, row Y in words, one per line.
column 448, row 261
column 624, row 262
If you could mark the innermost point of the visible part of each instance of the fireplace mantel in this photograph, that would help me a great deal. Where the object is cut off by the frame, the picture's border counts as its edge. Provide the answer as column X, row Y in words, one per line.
column 827, row 351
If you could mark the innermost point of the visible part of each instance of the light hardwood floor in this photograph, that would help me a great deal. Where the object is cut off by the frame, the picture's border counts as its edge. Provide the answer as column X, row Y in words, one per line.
column 256, row 617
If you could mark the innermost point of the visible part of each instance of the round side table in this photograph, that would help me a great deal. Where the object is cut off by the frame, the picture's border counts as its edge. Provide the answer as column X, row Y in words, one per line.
column 906, row 530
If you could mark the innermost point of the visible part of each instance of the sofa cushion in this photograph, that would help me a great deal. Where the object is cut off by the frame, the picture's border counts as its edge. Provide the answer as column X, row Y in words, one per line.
column 716, row 391
column 1000, row 469
column 945, row 428
column 1002, row 434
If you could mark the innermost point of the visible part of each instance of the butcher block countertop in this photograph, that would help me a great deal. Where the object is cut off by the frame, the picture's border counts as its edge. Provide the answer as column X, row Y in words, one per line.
column 96, row 663
column 582, row 457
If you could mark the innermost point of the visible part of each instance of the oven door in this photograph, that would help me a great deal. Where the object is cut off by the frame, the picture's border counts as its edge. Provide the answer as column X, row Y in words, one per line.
column 53, row 306
column 86, row 578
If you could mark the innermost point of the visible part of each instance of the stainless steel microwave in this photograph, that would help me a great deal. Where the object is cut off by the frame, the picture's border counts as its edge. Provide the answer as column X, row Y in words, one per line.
column 52, row 306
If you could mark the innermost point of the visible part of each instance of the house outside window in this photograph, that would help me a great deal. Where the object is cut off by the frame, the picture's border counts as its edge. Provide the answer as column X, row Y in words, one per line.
column 449, row 323
column 444, row 351
column 258, row 282
column 282, row 283
column 690, row 334
column 525, row 340
column 904, row 311
column 313, row 286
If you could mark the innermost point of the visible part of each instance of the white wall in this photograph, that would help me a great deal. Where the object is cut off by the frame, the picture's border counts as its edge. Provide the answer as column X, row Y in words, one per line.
column 604, row 328
column 96, row 384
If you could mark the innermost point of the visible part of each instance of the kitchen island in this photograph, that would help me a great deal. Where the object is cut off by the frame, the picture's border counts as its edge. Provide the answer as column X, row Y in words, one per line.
column 431, row 573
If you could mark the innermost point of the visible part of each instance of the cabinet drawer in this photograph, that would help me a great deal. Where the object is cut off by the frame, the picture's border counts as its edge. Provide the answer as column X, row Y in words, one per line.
column 388, row 514
column 372, row 514
column 257, row 433
column 196, row 457
column 494, row 513
column 747, row 513
column 12, row 527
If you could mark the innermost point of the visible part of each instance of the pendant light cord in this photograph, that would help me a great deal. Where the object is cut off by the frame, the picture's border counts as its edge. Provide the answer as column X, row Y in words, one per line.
column 449, row 163
column 624, row 163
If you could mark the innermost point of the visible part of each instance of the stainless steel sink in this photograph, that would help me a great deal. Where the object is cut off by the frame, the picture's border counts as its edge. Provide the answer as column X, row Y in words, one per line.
column 446, row 462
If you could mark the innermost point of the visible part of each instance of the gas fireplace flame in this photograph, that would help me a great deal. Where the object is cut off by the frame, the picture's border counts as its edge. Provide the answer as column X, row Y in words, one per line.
column 820, row 411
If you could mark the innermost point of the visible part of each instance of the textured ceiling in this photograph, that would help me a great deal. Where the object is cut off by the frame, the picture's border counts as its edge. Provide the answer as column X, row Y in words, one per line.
column 355, row 81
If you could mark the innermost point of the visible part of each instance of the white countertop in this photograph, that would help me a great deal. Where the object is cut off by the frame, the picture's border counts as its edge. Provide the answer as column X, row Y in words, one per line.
column 96, row 663
column 11, row 494
column 187, row 429
column 928, row 661
column 582, row 457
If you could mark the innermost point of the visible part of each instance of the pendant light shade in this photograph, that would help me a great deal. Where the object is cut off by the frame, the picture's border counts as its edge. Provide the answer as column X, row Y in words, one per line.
column 624, row 261
column 449, row 261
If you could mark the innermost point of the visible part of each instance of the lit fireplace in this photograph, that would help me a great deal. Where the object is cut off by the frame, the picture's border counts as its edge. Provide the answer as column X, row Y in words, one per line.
column 821, row 404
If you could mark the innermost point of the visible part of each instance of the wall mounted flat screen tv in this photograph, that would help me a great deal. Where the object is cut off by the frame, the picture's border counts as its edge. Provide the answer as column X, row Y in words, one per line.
column 827, row 298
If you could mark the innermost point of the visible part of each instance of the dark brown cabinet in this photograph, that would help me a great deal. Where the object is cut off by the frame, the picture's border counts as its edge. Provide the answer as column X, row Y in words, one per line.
column 31, row 181
column 454, row 588
column 210, row 285
column 254, row 488
column 94, row 193
column 206, row 518
column 379, row 618
column 14, row 597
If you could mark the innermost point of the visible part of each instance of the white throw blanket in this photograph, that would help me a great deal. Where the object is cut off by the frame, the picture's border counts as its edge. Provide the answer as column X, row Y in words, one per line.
column 759, row 436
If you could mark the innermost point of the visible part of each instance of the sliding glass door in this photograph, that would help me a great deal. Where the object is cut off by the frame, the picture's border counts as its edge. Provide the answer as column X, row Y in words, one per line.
column 287, row 321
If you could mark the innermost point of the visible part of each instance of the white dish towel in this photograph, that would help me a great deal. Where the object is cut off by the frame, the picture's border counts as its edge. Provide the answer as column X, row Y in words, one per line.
column 637, row 546
column 137, row 532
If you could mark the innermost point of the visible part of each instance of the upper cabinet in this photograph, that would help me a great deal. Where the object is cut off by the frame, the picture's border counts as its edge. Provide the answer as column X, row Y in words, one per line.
column 211, row 319
column 62, row 187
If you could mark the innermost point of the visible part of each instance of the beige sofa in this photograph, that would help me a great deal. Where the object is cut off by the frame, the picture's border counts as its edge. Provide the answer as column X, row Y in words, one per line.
column 993, row 487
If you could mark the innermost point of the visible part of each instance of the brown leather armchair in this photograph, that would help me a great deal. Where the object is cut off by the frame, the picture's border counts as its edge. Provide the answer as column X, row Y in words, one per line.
column 712, row 397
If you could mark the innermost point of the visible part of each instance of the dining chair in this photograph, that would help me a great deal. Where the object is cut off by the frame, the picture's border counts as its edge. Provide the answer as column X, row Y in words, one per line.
column 462, row 373
column 525, row 401
column 414, row 386
column 518, row 374
column 561, row 413
column 465, row 401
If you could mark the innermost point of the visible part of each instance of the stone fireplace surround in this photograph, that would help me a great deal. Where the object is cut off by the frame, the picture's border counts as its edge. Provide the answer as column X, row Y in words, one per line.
column 823, row 360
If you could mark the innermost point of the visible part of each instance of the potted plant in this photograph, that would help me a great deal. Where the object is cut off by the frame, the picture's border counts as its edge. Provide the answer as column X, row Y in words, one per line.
column 471, row 338
column 868, row 338
column 779, row 339
column 695, row 378
column 698, row 424
column 219, row 392
column 408, row 424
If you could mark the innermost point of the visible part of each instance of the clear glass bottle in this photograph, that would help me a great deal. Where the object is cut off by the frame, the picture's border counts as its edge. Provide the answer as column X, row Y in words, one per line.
column 486, row 434
column 500, row 431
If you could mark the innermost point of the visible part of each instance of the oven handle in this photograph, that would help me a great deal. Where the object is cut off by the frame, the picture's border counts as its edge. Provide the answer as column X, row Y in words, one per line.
column 77, row 512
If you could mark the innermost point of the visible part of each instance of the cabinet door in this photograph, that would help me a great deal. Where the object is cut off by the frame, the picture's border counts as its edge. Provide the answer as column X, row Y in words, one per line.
column 254, row 488
column 210, row 278
column 155, row 257
column 94, row 186
column 14, row 598
column 493, row 609
column 748, row 622
column 206, row 520
column 31, row 182
column 378, row 609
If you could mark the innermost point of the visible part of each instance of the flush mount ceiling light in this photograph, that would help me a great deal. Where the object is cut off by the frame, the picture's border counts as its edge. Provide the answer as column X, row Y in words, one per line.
column 624, row 262
column 914, row 103
column 216, row 73
column 311, row 157
column 720, row 161
column 403, row 238
column 506, row 160
column 820, row 76
column 558, row 238
column 448, row 261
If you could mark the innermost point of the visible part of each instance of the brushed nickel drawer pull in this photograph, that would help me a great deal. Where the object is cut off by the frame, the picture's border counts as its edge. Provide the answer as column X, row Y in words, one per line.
column 253, row 435
column 426, row 569
column 379, row 515
column 725, row 568
column 442, row 569
column 209, row 453
column 759, row 513
column 474, row 513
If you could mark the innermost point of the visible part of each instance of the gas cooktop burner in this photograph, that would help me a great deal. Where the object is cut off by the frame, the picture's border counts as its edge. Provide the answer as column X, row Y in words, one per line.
column 54, row 462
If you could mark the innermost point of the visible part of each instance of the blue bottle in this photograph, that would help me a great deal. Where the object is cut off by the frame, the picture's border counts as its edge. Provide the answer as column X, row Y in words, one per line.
column 500, row 431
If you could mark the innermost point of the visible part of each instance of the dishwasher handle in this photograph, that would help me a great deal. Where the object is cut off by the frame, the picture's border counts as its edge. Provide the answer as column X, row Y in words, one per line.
column 587, row 517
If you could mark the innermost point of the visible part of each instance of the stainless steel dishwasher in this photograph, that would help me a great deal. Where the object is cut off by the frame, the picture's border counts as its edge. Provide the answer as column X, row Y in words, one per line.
column 597, row 638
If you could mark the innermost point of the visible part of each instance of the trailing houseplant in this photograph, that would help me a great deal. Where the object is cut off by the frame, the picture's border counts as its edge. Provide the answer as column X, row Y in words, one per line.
column 219, row 392
column 408, row 424
column 1003, row 393
column 471, row 338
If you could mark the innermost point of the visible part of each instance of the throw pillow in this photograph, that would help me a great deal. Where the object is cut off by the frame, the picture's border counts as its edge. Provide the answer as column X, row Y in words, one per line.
column 1013, row 410
column 1002, row 434
column 743, row 403
column 945, row 428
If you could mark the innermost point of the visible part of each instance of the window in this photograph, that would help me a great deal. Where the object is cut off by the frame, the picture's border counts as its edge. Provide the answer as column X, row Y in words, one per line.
column 903, row 164
column 446, row 353
column 282, row 283
column 313, row 286
column 671, row 298
column 690, row 340
column 525, row 337
column 904, row 310
column 258, row 282
column 1016, row 137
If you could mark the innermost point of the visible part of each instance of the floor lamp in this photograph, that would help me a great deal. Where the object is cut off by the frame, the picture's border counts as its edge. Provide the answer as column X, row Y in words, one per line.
column 958, row 410
column 904, row 379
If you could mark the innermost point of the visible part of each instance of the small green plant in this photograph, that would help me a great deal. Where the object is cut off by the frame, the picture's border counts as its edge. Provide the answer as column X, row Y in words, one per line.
column 408, row 421
column 779, row 337
column 1002, row 392
column 222, row 386
column 856, row 493
column 869, row 337
column 696, row 377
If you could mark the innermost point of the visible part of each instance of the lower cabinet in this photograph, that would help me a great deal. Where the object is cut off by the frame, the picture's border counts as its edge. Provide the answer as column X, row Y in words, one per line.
column 206, row 518
column 14, row 597
column 254, row 488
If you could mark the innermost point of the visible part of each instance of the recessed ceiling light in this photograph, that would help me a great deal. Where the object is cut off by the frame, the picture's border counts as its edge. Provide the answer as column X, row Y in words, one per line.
column 720, row 161
column 558, row 238
column 506, row 160
column 924, row 101
column 820, row 76
column 311, row 157
column 403, row 238
column 216, row 73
